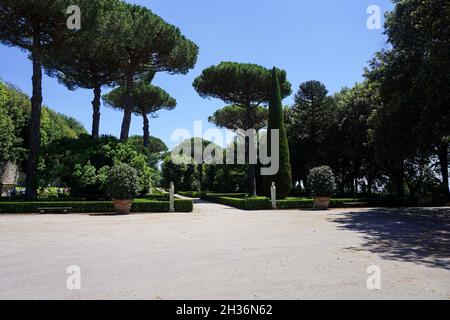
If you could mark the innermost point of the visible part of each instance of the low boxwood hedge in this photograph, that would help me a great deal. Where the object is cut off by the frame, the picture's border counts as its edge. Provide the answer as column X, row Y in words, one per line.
column 232, row 195
column 192, row 194
column 263, row 203
column 139, row 206
column 157, row 197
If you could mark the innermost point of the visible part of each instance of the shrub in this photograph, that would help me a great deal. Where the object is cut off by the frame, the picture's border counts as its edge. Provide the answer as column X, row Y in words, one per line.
column 192, row 194
column 77, row 207
column 184, row 206
column 139, row 205
column 123, row 182
column 91, row 182
column 321, row 181
column 263, row 203
column 143, row 205
column 184, row 176
column 258, row 203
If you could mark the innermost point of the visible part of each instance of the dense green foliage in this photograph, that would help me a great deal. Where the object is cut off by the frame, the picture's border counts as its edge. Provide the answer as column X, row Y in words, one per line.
column 240, row 84
column 283, row 178
column 184, row 176
column 389, row 134
column 412, row 77
column 83, row 164
column 15, row 111
column 247, row 86
column 206, row 176
column 321, row 182
column 192, row 194
column 147, row 100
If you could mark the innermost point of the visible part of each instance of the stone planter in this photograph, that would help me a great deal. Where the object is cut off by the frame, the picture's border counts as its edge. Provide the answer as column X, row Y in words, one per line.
column 322, row 203
column 123, row 207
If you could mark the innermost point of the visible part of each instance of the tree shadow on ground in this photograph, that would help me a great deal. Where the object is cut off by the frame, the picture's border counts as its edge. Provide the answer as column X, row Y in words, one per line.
column 419, row 236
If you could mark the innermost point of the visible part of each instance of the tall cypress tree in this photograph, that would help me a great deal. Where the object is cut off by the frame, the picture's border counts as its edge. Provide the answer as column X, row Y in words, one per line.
column 283, row 178
column 247, row 86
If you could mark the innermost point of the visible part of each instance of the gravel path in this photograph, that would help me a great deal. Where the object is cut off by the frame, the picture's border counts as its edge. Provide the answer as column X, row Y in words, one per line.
column 223, row 253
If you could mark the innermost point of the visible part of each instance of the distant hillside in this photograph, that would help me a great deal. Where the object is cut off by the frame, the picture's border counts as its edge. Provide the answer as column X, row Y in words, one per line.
column 14, row 117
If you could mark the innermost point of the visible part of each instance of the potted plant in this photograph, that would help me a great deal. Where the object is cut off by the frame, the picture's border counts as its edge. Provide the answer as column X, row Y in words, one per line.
column 123, row 187
column 322, row 184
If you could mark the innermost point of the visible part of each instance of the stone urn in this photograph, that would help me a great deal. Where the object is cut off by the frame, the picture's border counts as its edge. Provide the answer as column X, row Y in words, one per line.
column 123, row 207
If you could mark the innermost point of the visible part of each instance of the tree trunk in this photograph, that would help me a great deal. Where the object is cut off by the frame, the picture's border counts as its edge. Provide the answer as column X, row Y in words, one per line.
column 146, row 131
column 96, row 112
column 443, row 161
column 251, row 167
column 34, row 142
column 126, row 123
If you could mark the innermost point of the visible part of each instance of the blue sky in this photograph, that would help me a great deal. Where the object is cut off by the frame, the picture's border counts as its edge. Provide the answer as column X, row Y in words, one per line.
column 324, row 40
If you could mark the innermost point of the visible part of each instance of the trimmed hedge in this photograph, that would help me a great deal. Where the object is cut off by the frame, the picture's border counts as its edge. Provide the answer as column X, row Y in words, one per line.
column 156, row 197
column 295, row 204
column 254, row 203
column 263, row 203
column 139, row 205
column 230, row 195
column 192, row 194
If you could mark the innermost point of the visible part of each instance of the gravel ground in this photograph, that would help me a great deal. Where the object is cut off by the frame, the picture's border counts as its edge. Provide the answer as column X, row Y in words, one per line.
column 223, row 253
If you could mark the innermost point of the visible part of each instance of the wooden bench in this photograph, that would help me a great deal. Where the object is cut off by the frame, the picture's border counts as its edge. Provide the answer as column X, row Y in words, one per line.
column 55, row 210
